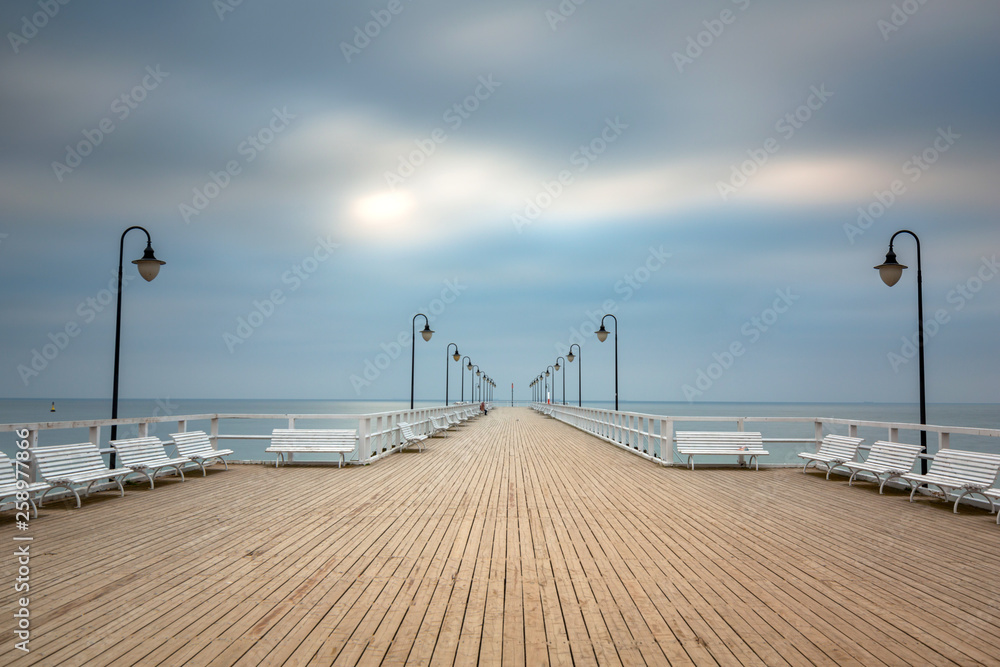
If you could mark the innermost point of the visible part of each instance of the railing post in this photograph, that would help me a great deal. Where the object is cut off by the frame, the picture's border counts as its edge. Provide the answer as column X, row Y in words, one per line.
column 182, row 426
column 740, row 425
column 95, row 436
column 214, row 437
column 944, row 440
column 143, row 429
column 852, row 430
column 818, row 433
column 364, row 440
column 893, row 434
column 667, row 441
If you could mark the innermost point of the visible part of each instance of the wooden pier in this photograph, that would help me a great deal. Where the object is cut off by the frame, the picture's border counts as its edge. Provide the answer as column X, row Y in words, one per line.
column 514, row 540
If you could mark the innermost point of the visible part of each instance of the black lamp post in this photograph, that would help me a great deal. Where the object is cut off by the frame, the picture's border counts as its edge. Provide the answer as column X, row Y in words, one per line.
column 891, row 271
column 426, row 333
column 456, row 357
column 579, row 370
column 473, row 368
column 553, row 381
column 148, row 267
column 602, row 335
column 564, row 377
column 462, row 369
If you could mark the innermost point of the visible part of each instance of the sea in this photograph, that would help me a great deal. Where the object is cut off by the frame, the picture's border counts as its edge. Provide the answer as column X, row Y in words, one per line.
column 24, row 411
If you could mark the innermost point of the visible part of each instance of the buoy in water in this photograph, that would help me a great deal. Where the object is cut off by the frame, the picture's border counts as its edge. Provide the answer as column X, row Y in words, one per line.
column 53, row 408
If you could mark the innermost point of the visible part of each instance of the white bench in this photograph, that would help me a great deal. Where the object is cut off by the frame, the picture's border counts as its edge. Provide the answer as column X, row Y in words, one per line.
column 954, row 469
column 892, row 459
column 993, row 493
column 64, row 466
column 409, row 437
column 17, row 487
column 834, row 450
column 453, row 419
column 440, row 424
column 147, row 456
column 196, row 446
column 312, row 441
column 720, row 443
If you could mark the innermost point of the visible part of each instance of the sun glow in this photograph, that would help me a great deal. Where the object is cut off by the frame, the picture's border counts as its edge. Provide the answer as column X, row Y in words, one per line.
column 383, row 208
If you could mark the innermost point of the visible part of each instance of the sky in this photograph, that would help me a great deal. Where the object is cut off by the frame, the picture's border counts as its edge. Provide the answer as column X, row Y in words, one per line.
column 720, row 176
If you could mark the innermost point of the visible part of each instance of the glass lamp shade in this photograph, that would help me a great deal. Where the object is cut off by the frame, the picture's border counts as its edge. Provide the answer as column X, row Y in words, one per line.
column 602, row 334
column 546, row 373
column 148, row 266
column 890, row 271
column 427, row 333
column 456, row 356
column 557, row 365
column 570, row 357
column 469, row 367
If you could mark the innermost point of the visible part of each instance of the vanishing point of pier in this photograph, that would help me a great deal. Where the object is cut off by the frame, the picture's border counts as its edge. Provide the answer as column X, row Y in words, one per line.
column 514, row 540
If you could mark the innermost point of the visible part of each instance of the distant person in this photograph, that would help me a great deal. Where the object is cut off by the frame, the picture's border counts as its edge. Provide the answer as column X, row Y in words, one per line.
column 482, row 408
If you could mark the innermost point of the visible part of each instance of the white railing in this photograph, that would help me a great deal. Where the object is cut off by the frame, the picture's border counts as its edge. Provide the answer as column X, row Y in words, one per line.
column 378, row 433
column 652, row 436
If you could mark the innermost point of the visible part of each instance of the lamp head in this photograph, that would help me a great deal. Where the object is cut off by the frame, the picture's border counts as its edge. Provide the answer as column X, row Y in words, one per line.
column 469, row 366
column 456, row 356
column 148, row 266
column 890, row 271
column 427, row 333
column 570, row 357
column 546, row 372
column 602, row 333
column 557, row 365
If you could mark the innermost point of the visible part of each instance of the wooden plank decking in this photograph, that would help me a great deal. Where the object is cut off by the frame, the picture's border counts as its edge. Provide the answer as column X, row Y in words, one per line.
column 514, row 540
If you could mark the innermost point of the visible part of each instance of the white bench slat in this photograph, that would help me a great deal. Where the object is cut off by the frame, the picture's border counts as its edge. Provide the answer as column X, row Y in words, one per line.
column 954, row 469
column 720, row 443
column 312, row 441
column 834, row 450
column 196, row 446
column 64, row 466
column 148, row 457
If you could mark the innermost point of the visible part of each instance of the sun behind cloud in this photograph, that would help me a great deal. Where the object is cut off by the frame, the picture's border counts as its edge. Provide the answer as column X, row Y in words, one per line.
column 383, row 209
